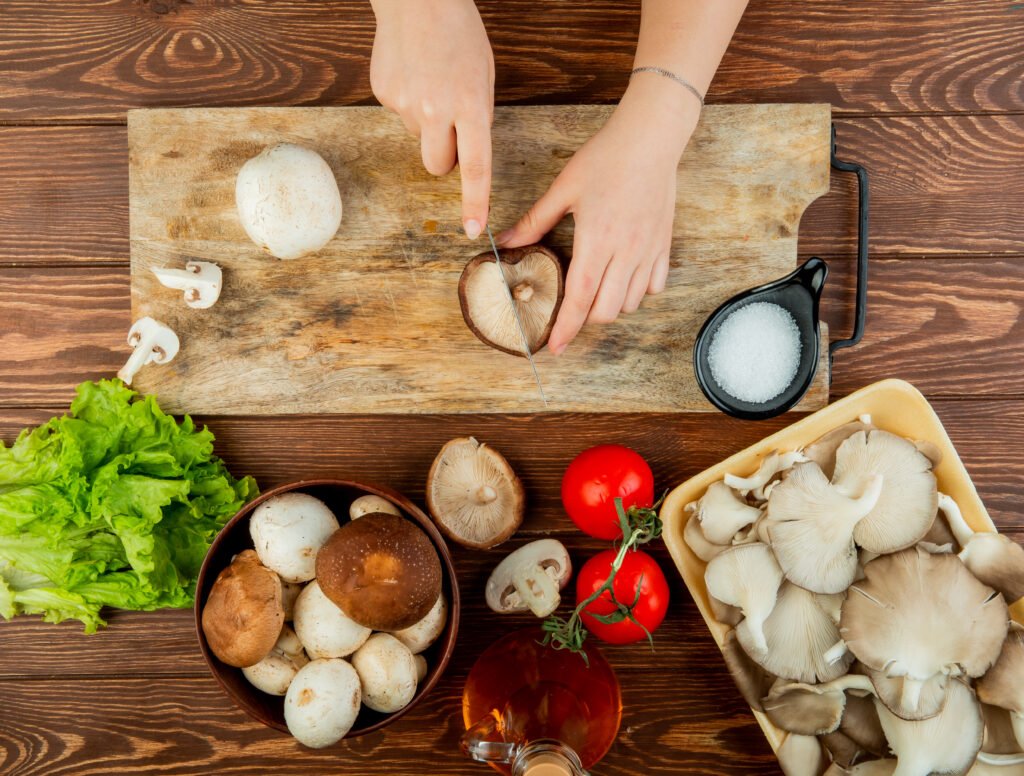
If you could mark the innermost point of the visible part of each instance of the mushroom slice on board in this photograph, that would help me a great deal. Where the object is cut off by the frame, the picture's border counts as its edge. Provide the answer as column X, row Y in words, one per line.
column 822, row 451
column 530, row 579
column 695, row 539
column 722, row 513
column 746, row 576
column 153, row 343
column 1003, row 684
column 811, row 526
column 916, row 615
column 200, row 280
column 811, row 709
column 945, row 743
column 243, row 615
column 996, row 560
column 908, row 502
column 534, row 276
column 929, row 697
column 771, row 466
column 801, row 756
column 751, row 680
column 798, row 632
column 473, row 495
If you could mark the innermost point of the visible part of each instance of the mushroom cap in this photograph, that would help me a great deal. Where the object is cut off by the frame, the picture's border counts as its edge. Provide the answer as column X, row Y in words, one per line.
column 772, row 465
column 243, row 614
column 547, row 556
column 805, row 709
column 288, row 530
column 751, row 679
column 907, row 698
column 289, row 593
column 387, row 672
column 370, row 504
column 722, row 513
column 421, row 667
column 917, row 614
column 798, row 632
column 999, row 737
column 746, row 576
column 274, row 673
column 420, row 635
column 381, row 570
column 908, row 503
column 695, row 539
column 945, row 743
column 811, row 527
column 473, row 495
column 860, row 724
column 200, row 280
column 288, row 200
column 1003, row 684
column 323, row 628
column 822, row 451
column 801, row 756
column 997, row 561
column 534, row 276
column 322, row 702
column 727, row 614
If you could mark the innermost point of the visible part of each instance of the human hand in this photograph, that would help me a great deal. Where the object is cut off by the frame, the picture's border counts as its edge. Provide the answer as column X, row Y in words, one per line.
column 432, row 64
column 621, row 190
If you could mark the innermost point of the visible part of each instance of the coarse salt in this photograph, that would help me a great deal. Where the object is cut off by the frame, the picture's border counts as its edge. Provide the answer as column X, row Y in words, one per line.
column 755, row 353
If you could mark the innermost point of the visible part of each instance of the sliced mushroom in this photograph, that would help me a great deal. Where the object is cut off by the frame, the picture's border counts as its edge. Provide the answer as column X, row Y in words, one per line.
column 801, row 756
column 323, row 629
column 153, row 343
column 811, row 526
column 908, row 503
column 751, row 680
column 917, row 615
column 694, row 537
column 288, row 530
column 798, row 633
column 945, row 743
column 473, row 495
column 811, row 709
column 200, row 280
column 371, row 504
column 722, row 513
column 422, row 634
column 1003, row 684
column 243, row 615
column 747, row 576
column 771, row 466
column 322, row 702
column 534, row 276
column 381, row 570
column 387, row 672
column 530, row 578
column 823, row 450
column 274, row 673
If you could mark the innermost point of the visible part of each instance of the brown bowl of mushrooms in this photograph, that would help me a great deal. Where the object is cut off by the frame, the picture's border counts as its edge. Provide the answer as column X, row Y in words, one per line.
column 327, row 609
column 863, row 601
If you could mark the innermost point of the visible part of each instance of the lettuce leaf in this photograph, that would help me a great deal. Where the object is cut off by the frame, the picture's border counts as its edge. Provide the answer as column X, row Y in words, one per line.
column 115, row 504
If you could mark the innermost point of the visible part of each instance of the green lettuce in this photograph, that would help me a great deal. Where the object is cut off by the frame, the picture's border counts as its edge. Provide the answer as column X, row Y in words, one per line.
column 112, row 505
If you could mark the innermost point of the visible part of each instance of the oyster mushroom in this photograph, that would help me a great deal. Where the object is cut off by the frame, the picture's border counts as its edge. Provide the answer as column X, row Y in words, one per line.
column 322, row 628
column 694, row 537
column 823, row 450
column 275, row 672
column 371, row 504
column 860, row 724
column 727, row 614
column 798, row 633
column 322, row 702
column 869, row 768
column 931, row 696
column 996, row 560
column 243, row 614
column 1003, row 684
column 200, row 280
column 722, row 513
column 811, row 709
column 771, row 466
column 534, row 277
column 473, row 495
column 530, row 578
column 908, row 503
column 381, row 570
column 153, row 343
column 1000, row 737
column 811, row 525
column 746, row 576
column 801, row 756
column 418, row 636
column 751, row 680
column 288, row 531
column 387, row 672
column 916, row 615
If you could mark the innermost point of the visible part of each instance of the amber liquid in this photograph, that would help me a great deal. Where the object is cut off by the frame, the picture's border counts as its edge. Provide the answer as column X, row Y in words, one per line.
column 538, row 692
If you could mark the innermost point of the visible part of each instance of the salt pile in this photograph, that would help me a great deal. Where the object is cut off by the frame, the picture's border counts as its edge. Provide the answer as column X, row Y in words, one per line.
column 755, row 353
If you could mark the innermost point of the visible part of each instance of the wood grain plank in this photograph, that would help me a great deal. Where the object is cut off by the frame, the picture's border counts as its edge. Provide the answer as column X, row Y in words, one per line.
column 95, row 59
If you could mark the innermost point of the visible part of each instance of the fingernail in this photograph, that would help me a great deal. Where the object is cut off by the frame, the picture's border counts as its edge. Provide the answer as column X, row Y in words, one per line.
column 502, row 237
column 473, row 228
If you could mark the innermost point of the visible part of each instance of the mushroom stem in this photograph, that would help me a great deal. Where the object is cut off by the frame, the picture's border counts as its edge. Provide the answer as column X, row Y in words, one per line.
column 536, row 588
column 136, row 360
column 836, row 652
column 485, row 494
column 957, row 524
column 910, row 697
column 153, row 342
column 523, row 292
column 1000, row 759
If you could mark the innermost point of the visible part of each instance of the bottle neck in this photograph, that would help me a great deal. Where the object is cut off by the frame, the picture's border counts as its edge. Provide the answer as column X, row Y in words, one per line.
column 547, row 758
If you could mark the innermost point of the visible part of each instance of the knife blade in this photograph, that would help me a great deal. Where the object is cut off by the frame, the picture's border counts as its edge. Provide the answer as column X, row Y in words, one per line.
column 519, row 321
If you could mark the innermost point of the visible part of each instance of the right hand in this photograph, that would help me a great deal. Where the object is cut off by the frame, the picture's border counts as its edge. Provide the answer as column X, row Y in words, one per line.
column 432, row 64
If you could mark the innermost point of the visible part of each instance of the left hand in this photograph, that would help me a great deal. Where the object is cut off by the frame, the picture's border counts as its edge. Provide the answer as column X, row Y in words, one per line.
column 621, row 190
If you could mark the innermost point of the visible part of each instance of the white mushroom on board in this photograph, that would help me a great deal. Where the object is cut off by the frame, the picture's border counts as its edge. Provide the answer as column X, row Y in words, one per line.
column 322, row 702
column 323, row 629
column 371, row 504
column 274, row 673
column 748, row 577
column 153, row 343
column 387, row 672
column 200, row 281
column 530, row 579
column 288, row 531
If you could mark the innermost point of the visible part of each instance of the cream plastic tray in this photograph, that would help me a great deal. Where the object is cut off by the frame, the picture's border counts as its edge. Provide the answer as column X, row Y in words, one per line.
column 894, row 405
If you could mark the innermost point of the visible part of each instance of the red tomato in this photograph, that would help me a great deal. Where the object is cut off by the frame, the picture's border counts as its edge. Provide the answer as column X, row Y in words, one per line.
column 598, row 476
column 650, row 609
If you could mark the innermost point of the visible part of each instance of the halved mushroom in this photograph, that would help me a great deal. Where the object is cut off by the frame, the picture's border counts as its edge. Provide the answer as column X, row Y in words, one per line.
column 751, row 680
column 722, row 513
column 798, row 633
column 1003, row 684
column 945, row 743
column 916, row 615
column 323, row 629
column 694, row 537
column 420, row 635
column 530, row 578
column 811, row 526
column 371, row 504
column 243, row 615
column 811, row 709
column 823, row 450
column 322, row 702
column 288, row 531
column 746, row 576
column 908, row 503
column 153, row 343
column 996, row 560
column 534, row 276
column 275, row 672
column 381, row 570
column 387, row 673
column 200, row 280
column 473, row 495
column 771, row 466
column 801, row 756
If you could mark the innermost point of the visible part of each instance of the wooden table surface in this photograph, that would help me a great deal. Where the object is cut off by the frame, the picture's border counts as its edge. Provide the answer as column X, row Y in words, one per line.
column 928, row 95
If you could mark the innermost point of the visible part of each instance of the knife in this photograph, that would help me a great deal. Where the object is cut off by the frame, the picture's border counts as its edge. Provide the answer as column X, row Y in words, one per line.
column 519, row 321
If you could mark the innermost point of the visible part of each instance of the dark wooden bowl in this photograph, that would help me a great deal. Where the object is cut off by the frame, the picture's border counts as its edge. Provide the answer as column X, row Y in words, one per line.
column 234, row 537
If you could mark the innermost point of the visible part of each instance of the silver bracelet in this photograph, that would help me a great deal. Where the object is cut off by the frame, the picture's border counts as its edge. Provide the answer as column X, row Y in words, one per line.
column 669, row 74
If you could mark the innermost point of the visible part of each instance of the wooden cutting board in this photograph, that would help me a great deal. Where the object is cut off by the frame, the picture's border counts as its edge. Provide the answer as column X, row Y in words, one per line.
column 372, row 322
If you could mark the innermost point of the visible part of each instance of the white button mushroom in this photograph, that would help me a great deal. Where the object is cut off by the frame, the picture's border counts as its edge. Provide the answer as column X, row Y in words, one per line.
column 421, row 667
column 275, row 672
column 154, row 343
column 387, row 671
column 288, row 201
column 323, row 628
column 289, row 593
column 322, row 702
column 424, row 633
column 288, row 531
column 370, row 504
column 200, row 280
